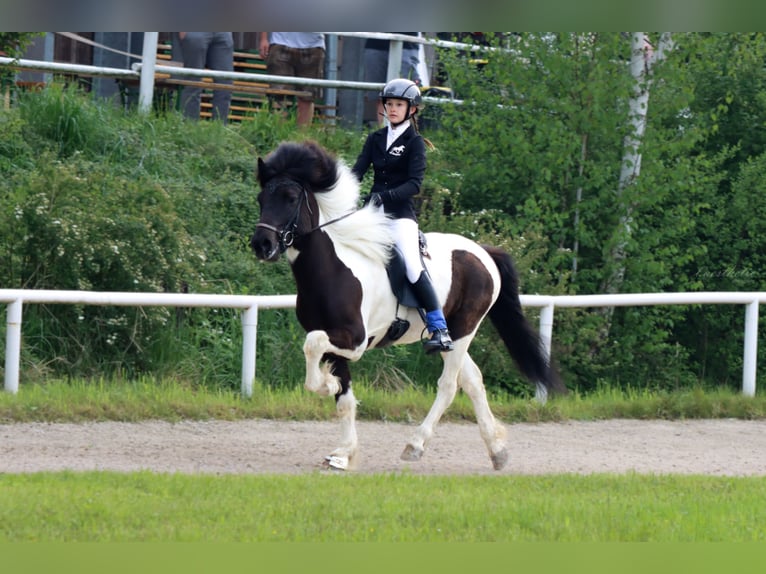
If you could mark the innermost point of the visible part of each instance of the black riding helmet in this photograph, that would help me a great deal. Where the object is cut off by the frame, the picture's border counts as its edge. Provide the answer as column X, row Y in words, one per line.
column 402, row 89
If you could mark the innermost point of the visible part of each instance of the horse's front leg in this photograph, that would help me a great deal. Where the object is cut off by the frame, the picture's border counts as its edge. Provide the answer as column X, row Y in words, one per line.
column 344, row 457
column 327, row 373
column 319, row 376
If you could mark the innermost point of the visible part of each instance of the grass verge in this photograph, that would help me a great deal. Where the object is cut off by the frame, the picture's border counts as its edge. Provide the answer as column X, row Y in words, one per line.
column 147, row 398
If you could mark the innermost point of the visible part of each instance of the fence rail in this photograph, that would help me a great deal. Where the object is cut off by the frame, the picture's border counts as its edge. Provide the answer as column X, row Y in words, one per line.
column 250, row 305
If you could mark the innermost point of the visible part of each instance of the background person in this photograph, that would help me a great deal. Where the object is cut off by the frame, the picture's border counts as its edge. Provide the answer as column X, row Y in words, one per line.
column 300, row 54
column 214, row 51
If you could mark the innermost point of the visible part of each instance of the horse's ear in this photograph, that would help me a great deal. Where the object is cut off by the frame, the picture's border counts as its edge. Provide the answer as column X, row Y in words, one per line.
column 260, row 169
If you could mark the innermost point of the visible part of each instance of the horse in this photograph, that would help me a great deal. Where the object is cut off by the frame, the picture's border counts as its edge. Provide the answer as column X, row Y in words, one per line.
column 340, row 253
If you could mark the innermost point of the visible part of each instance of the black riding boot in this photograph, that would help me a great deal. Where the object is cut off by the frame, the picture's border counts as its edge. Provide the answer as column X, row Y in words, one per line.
column 435, row 323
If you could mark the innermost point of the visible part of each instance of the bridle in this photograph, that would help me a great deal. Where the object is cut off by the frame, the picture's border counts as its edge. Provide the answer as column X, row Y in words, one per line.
column 289, row 232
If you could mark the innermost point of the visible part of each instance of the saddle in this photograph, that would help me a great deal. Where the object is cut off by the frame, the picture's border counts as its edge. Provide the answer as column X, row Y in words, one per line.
column 402, row 289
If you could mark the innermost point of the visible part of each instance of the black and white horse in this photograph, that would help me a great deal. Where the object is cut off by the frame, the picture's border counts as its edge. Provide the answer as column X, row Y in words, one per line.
column 345, row 301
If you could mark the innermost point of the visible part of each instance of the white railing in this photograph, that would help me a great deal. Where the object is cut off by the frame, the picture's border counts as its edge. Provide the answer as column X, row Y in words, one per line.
column 16, row 298
column 250, row 304
column 751, row 301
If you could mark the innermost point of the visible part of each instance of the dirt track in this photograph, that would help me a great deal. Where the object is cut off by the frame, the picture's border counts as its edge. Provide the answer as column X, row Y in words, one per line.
column 720, row 447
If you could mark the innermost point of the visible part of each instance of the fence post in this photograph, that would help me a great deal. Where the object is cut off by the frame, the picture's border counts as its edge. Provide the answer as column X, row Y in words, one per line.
column 751, row 349
column 546, row 329
column 546, row 336
column 146, row 85
column 249, row 333
column 12, row 346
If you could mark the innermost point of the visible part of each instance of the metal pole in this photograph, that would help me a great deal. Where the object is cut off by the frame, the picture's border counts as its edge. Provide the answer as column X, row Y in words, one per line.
column 394, row 60
column 249, row 333
column 751, row 349
column 146, row 90
column 12, row 346
column 331, row 94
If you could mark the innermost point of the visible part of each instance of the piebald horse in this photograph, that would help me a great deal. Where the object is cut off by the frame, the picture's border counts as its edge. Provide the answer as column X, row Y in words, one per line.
column 339, row 254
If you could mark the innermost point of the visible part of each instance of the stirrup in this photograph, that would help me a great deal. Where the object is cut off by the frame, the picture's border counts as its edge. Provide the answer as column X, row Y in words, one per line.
column 440, row 341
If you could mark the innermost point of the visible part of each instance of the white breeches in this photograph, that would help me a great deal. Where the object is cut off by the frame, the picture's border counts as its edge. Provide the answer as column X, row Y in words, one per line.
column 406, row 240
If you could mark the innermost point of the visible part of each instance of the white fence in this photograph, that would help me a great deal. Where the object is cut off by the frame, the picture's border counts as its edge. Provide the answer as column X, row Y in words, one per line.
column 15, row 298
column 250, row 304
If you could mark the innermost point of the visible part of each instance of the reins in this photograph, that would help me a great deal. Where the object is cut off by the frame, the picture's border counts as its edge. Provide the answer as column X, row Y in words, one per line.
column 289, row 233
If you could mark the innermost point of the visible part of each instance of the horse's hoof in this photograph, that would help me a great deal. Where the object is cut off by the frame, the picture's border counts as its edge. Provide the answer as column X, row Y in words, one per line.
column 336, row 462
column 411, row 454
column 500, row 459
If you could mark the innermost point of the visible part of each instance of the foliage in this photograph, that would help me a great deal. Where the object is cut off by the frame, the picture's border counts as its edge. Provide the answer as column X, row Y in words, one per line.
column 77, row 226
column 539, row 139
column 14, row 44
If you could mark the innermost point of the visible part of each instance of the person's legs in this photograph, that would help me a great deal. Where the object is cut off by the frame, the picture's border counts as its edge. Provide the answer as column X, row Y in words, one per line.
column 194, row 50
column 305, row 112
column 279, row 63
column 407, row 241
column 375, row 70
column 220, row 56
column 310, row 64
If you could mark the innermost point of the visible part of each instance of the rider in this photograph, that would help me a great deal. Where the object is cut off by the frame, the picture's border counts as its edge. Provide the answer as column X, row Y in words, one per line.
column 398, row 157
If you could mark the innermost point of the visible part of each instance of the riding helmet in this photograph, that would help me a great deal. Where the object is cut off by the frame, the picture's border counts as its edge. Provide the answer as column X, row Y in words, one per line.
column 402, row 89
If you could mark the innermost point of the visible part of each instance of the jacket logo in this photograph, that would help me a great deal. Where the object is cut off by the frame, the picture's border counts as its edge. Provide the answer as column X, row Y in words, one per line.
column 396, row 151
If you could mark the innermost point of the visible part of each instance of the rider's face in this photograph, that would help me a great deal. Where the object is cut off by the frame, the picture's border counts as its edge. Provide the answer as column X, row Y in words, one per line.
column 396, row 110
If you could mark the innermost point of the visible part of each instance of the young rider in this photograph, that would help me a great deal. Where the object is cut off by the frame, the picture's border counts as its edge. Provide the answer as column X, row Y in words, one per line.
column 397, row 154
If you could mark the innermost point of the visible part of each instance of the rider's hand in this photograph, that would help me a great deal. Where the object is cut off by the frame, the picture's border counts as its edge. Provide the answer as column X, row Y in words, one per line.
column 373, row 198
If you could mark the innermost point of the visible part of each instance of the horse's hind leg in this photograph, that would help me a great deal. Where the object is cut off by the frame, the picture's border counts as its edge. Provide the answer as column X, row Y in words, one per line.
column 445, row 394
column 492, row 431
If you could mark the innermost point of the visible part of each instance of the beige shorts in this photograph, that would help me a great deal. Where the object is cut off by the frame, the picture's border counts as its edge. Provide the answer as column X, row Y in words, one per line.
column 298, row 62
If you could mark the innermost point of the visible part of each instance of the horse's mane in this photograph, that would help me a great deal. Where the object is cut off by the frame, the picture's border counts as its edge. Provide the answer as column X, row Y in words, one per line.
column 336, row 191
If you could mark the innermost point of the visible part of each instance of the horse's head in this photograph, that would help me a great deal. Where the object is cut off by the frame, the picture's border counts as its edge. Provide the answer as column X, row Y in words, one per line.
column 288, row 178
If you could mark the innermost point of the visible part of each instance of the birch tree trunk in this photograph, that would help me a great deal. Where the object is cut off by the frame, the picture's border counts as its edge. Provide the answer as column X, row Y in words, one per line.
column 643, row 57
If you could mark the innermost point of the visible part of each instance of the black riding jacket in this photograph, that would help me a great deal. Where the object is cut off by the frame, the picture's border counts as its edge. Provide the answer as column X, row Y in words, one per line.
column 398, row 171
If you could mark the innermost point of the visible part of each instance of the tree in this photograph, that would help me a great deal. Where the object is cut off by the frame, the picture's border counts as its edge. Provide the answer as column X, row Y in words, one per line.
column 14, row 44
column 549, row 139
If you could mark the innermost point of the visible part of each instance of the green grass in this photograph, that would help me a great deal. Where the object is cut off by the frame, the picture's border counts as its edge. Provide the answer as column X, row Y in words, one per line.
column 113, row 507
column 172, row 400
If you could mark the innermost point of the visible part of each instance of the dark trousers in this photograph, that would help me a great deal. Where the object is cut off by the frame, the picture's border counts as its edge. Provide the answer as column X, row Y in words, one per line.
column 214, row 51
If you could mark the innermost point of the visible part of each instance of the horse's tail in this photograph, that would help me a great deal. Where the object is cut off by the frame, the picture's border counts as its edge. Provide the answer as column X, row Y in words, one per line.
column 521, row 339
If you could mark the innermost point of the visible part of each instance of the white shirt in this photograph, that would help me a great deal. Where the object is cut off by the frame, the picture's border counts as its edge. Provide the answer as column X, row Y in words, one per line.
column 395, row 132
column 301, row 40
